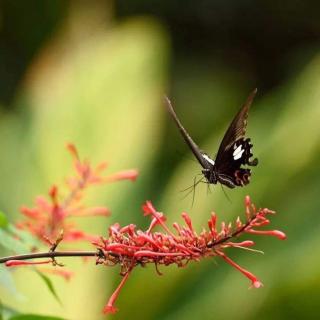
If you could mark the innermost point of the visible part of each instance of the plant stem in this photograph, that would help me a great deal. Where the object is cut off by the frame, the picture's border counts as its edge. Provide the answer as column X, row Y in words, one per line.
column 53, row 254
column 233, row 235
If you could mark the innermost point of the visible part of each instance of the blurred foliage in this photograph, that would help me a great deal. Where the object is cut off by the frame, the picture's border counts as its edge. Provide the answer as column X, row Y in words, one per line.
column 95, row 75
column 33, row 317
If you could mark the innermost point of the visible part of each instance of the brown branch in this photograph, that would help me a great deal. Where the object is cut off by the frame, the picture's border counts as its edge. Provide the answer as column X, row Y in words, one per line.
column 233, row 235
column 52, row 254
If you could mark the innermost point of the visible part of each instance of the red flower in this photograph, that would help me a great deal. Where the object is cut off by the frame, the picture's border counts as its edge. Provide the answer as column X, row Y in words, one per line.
column 130, row 247
column 110, row 308
column 50, row 216
column 16, row 263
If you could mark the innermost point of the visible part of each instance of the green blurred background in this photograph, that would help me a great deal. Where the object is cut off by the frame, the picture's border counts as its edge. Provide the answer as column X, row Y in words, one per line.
column 94, row 72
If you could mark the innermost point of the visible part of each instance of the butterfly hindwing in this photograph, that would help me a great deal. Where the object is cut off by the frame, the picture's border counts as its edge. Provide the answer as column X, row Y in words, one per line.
column 228, row 169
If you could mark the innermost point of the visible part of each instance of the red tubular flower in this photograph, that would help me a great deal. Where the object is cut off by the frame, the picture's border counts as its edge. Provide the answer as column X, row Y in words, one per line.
column 275, row 233
column 49, row 217
column 16, row 263
column 110, row 308
column 130, row 247
column 122, row 175
column 255, row 283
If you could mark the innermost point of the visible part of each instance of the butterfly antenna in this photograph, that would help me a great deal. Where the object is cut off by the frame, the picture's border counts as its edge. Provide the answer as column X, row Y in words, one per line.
column 225, row 193
column 195, row 183
column 186, row 189
column 183, row 190
column 194, row 190
column 208, row 188
column 192, row 187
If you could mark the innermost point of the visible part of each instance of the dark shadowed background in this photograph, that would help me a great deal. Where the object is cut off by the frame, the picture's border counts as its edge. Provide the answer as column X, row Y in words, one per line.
column 94, row 73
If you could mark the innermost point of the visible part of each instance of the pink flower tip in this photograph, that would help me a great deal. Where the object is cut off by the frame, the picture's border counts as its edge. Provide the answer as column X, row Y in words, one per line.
column 247, row 201
column 15, row 263
column 73, row 150
column 279, row 234
column 109, row 309
column 186, row 218
column 148, row 208
column 131, row 174
column 12, row 263
column 256, row 284
column 274, row 233
column 99, row 211
column 123, row 175
column 53, row 191
column 31, row 213
column 245, row 243
column 102, row 166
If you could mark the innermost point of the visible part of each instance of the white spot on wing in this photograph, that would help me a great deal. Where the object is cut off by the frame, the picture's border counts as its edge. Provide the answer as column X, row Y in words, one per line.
column 237, row 150
column 237, row 154
column 208, row 159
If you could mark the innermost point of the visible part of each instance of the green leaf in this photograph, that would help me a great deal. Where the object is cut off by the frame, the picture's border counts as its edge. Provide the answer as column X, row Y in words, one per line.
column 34, row 317
column 3, row 220
column 18, row 241
column 49, row 285
column 6, row 281
column 6, row 312
column 1, row 311
column 8, row 241
column 26, row 237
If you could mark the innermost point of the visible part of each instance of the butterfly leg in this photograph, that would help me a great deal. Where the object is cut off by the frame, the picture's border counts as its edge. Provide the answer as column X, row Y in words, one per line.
column 225, row 193
column 192, row 187
column 208, row 188
column 194, row 190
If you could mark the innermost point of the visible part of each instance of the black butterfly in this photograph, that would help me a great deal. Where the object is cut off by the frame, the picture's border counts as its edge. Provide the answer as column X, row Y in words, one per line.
column 234, row 150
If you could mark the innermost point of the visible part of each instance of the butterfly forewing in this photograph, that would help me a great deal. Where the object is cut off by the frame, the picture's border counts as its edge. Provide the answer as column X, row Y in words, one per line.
column 192, row 145
column 237, row 128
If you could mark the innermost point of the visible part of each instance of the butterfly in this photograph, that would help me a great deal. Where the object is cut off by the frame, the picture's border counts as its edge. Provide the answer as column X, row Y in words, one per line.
column 234, row 151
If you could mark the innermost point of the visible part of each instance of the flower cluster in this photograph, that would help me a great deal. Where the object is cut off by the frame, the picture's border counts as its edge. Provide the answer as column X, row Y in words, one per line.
column 130, row 247
column 51, row 216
